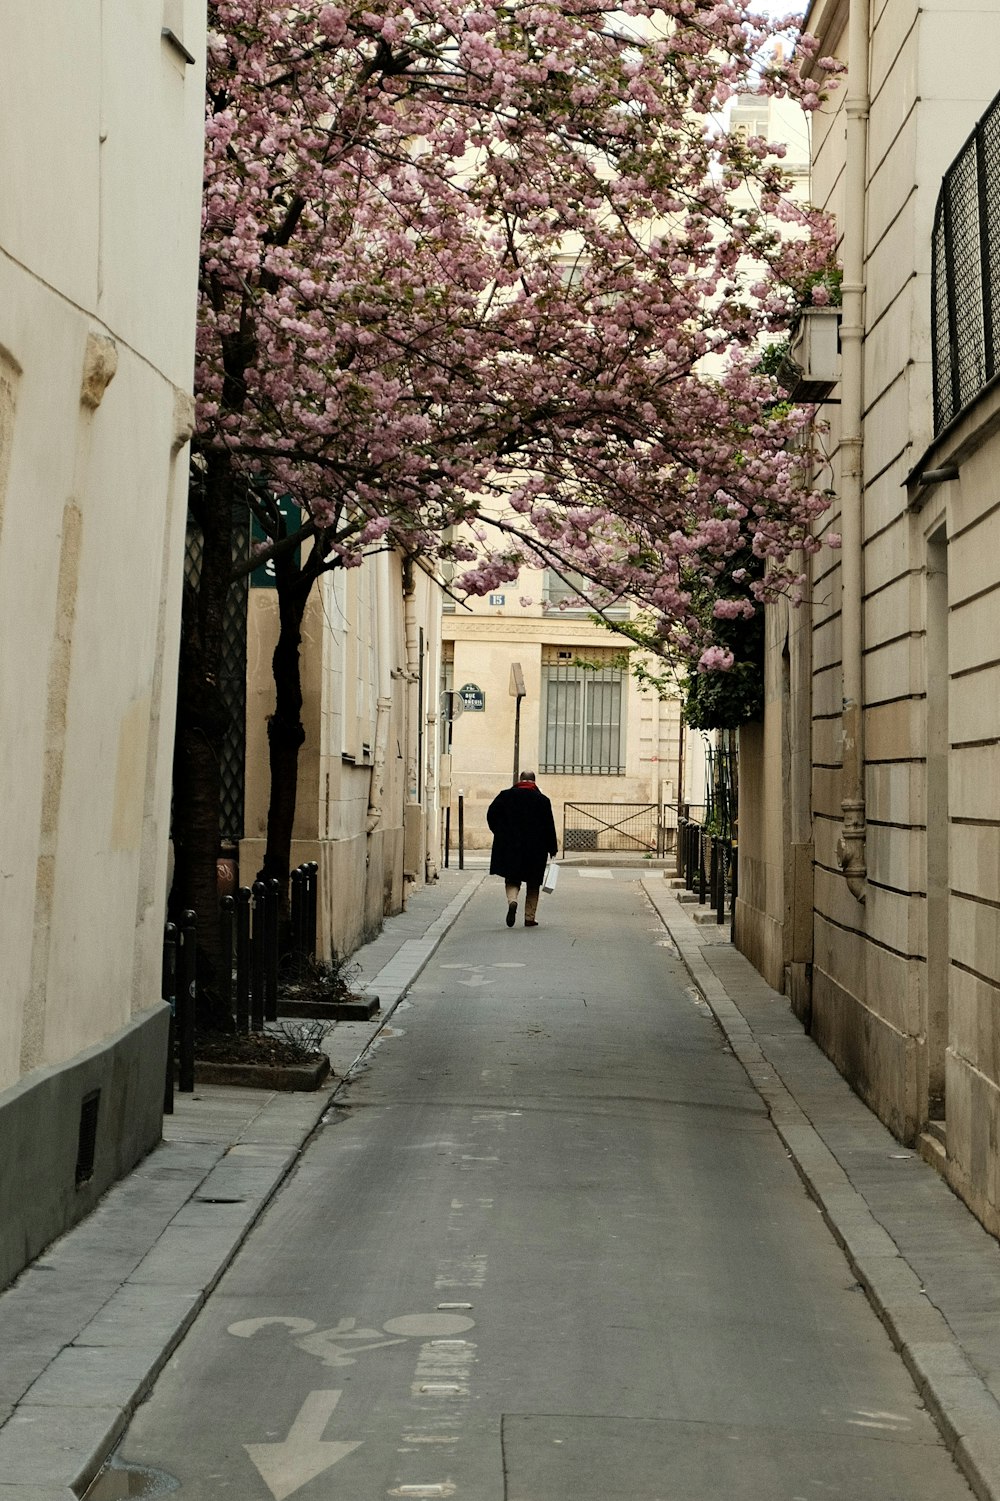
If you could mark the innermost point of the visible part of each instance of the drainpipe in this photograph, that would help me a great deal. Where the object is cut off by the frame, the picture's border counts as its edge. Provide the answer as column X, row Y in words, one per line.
column 851, row 844
column 383, row 706
column 412, row 810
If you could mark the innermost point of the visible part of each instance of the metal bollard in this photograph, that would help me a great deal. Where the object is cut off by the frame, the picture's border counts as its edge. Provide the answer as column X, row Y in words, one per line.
column 461, row 831
column 187, row 996
column 734, row 891
column 168, row 990
column 702, row 880
column 297, row 882
column 447, row 834
column 227, row 918
column 720, row 884
column 259, row 892
column 243, row 959
column 312, row 907
column 271, row 910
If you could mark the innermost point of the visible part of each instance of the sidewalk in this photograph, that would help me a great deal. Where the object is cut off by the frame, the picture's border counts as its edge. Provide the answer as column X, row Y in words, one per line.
column 929, row 1269
column 85, row 1330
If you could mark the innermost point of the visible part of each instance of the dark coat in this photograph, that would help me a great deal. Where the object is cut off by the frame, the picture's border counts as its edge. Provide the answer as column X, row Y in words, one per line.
column 524, row 833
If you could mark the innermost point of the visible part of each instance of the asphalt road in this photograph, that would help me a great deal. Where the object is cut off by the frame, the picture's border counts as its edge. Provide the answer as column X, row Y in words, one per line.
column 547, row 1248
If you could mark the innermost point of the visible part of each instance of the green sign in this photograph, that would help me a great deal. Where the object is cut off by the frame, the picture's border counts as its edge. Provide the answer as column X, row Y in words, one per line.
column 473, row 698
column 263, row 577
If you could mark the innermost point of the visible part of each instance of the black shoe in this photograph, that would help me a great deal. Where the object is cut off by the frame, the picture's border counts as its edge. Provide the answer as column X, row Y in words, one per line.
column 529, row 922
column 511, row 914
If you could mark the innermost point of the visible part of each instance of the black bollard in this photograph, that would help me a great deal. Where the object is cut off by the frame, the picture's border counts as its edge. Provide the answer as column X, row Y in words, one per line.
column 461, row 831
column 298, row 879
column 243, row 959
column 259, row 891
column 702, row 875
column 271, row 909
column 312, row 909
column 227, row 919
column 168, row 990
column 447, row 834
column 187, row 996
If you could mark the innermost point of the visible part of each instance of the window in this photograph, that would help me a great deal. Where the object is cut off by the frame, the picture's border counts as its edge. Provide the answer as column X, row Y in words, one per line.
column 567, row 595
column 581, row 706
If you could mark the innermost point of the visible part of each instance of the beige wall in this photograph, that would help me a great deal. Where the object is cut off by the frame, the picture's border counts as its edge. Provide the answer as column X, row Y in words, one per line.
column 367, row 805
column 485, row 643
column 99, row 224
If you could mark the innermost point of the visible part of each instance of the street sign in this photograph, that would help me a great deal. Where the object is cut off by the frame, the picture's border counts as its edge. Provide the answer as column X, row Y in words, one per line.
column 263, row 577
column 473, row 698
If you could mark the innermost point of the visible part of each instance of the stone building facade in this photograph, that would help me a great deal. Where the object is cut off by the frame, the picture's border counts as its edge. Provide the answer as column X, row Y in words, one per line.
column 870, row 824
column 99, row 227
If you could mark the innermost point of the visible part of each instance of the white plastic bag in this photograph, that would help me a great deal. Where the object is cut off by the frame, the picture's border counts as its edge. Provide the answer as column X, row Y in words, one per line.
column 551, row 876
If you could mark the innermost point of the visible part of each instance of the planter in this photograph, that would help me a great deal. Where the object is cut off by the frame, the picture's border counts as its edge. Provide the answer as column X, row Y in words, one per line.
column 277, row 1076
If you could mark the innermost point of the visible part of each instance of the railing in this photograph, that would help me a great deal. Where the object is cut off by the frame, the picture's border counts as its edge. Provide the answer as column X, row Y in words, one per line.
column 249, row 980
column 965, row 273
column 708, row 864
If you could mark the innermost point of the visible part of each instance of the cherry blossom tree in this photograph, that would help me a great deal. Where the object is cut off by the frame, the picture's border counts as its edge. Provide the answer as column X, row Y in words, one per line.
column 465, row 267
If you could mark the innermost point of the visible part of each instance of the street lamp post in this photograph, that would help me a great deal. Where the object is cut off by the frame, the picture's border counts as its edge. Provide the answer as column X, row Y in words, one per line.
column 517, row 693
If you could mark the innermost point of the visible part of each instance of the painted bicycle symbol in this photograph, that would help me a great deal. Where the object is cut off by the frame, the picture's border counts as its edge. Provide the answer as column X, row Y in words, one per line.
column 344, row 1342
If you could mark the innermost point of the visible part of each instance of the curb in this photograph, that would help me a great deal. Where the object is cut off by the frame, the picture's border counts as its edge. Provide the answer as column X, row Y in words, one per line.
column 962, row 1406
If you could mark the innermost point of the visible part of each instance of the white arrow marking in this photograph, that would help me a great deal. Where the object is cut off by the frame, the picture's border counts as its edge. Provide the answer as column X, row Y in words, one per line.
column 476, row 980
column 285, row 1468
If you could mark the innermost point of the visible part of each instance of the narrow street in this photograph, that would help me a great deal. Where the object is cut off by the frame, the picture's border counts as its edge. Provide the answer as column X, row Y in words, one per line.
column 547, row 1246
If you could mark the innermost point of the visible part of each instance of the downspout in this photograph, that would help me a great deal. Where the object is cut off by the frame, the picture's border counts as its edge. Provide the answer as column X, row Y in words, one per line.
column 851, row 844
column 412, row 842
column 383, row 704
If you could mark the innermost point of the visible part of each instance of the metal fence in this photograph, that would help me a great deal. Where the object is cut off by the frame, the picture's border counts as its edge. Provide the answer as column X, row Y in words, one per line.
column 250, row 924
column 708, row 864
column 965, row 274
column 612, row 826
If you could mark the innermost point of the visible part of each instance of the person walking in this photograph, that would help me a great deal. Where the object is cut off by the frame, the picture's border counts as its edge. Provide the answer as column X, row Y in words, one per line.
column 524, row 835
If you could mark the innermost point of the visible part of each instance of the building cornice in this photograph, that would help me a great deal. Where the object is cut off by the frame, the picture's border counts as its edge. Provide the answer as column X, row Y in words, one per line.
column 558, row 630
column 826, row 20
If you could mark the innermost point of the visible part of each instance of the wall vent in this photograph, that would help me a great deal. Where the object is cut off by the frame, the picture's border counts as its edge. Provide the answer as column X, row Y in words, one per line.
column 87, row 1144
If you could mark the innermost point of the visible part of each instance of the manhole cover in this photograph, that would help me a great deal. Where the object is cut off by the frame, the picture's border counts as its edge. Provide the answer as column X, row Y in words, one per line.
column 118, row 1481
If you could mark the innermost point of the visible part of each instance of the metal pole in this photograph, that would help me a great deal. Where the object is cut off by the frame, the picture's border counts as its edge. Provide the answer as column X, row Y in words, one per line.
column 227, row 913
column 461, row 831
column 168, row 990
column 259, row 891
column 298, row 879
column 720, row 884
column 702, row 883
column 243, row 959
column 517, row 736
column 271, row 908
column 447, row 834
column 312, row 907
column 187, row 994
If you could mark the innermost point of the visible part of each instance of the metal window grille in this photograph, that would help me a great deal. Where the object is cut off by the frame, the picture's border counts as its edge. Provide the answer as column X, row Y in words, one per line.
column 582, row 709
column 965, row 274
column 233, row 679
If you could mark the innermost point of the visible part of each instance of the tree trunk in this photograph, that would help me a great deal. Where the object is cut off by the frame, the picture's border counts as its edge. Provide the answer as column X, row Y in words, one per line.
column 285, row 730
